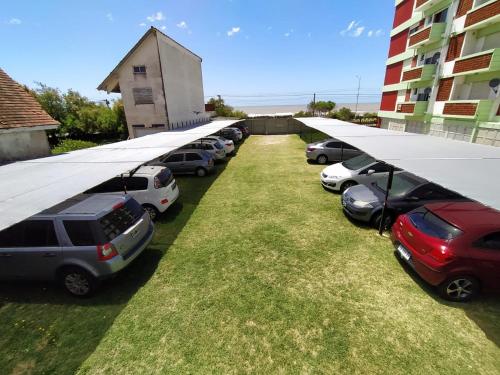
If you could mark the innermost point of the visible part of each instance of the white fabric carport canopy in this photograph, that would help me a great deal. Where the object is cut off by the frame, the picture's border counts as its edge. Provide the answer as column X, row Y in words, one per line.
column 31, row 186
column 469, row 169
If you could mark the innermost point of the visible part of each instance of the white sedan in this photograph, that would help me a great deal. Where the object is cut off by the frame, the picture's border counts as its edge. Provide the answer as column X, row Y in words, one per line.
column 227, row 143
column 361, row 169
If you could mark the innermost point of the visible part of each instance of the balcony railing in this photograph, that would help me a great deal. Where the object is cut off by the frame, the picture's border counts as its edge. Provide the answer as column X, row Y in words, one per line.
column 412, row 108
column 420, row 73
column 486, row 61
column 423, row 5
column 484, row 15
column 470, row 109
column 430, row 34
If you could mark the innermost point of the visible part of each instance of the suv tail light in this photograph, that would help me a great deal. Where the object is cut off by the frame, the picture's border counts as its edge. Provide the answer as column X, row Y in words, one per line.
column 311, row 148
column 106, row 252
column 441, row 254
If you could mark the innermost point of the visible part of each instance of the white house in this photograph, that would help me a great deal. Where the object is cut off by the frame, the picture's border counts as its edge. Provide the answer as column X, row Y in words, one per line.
column 23, row 123
column 161, row 85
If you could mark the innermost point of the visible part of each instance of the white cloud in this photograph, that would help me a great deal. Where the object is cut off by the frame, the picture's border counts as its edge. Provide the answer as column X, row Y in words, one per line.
column 287, row 34
column 163, row 28
column 379, row 32
column 110, row 18
column 158, row 16
column 370, row 33
column 269, row 28
column 375, row 33
column 309, row 35
column 182, row 25
column 234, row 30
column 354, row 29
column 142, row 24
column 14, row 21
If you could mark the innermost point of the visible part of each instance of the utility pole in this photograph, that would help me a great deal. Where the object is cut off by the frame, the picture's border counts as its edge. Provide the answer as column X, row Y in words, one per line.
column 314, row 103
column 357, row 96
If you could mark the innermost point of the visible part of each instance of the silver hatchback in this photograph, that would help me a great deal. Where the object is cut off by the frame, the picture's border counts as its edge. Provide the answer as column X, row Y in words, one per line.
column 331, row 150
column 78, row 242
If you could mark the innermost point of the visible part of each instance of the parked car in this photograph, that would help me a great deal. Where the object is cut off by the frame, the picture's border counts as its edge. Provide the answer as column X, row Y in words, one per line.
column 227, row 143
column 330, row 150
column 213, row 148
column 154, row 187
column 198, row 162
column 365, row 202
column 453, row 246
column 230, row 133
column 78, row 242
column 361, row 169
column 243, row 128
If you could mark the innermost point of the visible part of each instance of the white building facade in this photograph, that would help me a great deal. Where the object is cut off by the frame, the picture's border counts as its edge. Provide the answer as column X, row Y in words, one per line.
column 161, row 85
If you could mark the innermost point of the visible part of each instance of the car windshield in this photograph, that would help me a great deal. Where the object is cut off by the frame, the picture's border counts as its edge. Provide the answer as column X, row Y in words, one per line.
column 432, row 225
column 401, row 184
column 358, row 162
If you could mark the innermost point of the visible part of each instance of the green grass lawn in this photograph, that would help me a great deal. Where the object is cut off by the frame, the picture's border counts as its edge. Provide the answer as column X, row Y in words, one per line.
column 254, row 270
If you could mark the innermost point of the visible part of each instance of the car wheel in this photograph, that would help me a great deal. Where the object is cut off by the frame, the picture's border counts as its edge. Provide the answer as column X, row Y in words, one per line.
column 459, row 288
column 152, row 211
column 201, row 172
column 377, row 218
column 346, row 185
column 322, row 159
column 78, row 282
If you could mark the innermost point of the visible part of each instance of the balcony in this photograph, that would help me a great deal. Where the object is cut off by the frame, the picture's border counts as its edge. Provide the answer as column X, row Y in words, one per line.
column 481, row 62
column 420, row 73
column 423, row 5
column 478, row 110
column 485, row 15
column 412, row 109
column 430, row 34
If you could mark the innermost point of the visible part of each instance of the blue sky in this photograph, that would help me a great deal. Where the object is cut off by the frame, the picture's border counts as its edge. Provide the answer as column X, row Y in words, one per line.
column 252, row 51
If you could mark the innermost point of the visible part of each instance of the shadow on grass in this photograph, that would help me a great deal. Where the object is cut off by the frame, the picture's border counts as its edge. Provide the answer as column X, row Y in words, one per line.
column 45, row 330
column 484, row 310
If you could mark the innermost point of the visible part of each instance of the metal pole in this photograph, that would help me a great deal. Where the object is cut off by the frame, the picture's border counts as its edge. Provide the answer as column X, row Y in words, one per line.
column 314, row 103
column 388, row 187
column 357, row 96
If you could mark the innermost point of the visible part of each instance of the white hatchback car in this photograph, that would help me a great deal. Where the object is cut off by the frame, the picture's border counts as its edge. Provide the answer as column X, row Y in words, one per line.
column 361, row 169
column 227, row 143
column 154, row 187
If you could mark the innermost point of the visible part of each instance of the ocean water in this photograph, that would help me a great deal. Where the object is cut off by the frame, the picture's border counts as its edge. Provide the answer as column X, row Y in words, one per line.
column 272, row 109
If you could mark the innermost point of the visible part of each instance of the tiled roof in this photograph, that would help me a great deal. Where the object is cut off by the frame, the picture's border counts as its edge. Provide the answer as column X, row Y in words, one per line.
column 18, row 108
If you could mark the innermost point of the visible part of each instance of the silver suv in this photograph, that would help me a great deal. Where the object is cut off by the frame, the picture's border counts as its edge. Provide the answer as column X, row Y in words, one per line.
column 78, row 242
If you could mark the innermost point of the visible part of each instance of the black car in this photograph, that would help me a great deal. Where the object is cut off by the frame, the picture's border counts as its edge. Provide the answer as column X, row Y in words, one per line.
column 243, row 129
column 230, row 133
column 365, row 202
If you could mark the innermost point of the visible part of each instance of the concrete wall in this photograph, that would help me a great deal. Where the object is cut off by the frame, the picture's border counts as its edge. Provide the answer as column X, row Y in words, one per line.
column 22, row 145
column 143, row 114
column 267, row 126
column 183, row 84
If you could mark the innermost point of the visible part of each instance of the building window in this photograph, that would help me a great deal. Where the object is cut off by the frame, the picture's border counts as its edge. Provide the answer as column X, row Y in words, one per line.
column 158, row 125
column 139, row 69
column 143, row 95
column 138, row 126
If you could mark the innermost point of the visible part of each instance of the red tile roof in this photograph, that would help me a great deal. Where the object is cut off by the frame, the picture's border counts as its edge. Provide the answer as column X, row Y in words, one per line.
column 19, row 108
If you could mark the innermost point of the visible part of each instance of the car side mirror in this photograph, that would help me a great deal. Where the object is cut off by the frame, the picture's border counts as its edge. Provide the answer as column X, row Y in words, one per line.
column 370, row 172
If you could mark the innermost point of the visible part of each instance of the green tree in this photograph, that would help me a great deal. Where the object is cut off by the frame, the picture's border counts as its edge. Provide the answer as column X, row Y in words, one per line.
column 345, row 114
column 322, row 107
column 224, row 110
column 51, row 101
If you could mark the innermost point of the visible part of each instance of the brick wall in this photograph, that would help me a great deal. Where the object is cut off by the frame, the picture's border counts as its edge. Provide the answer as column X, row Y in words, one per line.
column 483, row 13
column 406, row 108
column 444, row 90
column 463, row 7
column 455, row 47
column 420, row 36
column 412, row 74
column 474, row 63
column 460, row 109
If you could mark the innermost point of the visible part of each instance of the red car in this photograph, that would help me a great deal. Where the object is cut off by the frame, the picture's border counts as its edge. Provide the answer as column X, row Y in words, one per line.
column 453, row 246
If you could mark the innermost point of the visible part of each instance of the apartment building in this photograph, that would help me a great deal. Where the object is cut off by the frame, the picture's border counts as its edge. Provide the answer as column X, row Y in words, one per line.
column 161, row 85
column 443, row 71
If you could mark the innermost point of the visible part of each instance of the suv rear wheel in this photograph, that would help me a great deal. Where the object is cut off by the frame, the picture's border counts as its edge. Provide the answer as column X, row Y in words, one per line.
column 459, row 288
column 152, row 211
column 78, row 282
column 322, row 159
column 201, row 172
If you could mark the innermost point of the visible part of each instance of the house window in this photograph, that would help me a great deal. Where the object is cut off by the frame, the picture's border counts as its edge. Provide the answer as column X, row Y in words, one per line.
column 139, row 69
column 143, row 95
column 158, row 125
column 138, row 126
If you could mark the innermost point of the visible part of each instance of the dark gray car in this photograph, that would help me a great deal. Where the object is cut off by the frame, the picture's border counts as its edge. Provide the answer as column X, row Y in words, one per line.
column 198, row 162
column 331, row 150
column 78, row 242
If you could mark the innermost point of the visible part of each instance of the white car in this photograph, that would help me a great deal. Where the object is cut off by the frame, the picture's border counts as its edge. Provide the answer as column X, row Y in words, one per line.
column 361, row 169
column 153, row 187
column 213, row 148
column 227, row 143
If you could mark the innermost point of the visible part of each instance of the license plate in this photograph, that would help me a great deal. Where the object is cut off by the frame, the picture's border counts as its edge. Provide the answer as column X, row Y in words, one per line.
column 403, row 253
column 134, row 233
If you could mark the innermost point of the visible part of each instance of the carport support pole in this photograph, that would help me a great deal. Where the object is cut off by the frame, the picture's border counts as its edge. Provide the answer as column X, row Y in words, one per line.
column 387, row 189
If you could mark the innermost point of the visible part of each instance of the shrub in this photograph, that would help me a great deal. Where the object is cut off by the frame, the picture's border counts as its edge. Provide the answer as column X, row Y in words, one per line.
column 71, row 145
